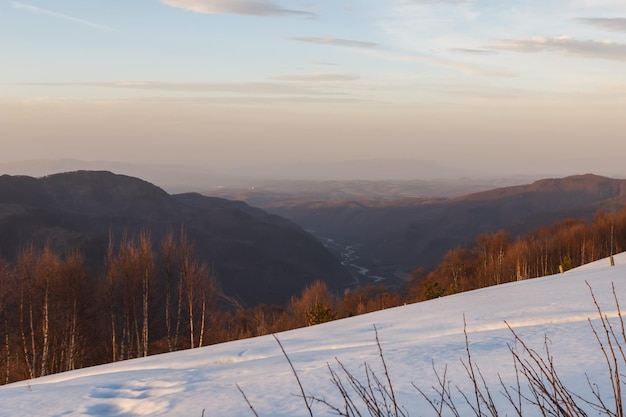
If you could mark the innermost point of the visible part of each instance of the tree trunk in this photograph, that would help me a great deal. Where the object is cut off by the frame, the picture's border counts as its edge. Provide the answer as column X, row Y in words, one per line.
column 45, row 333
column 190, row 305
column 8, row 350
column 32, row 341
column 179, row 313
column 145, row 314
column 202, row 321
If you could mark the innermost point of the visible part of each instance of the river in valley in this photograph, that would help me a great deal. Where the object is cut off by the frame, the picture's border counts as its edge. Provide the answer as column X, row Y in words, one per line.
column 351, row 259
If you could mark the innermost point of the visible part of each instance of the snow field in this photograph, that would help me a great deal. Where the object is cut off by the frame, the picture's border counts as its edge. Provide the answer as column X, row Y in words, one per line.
column 413, row 338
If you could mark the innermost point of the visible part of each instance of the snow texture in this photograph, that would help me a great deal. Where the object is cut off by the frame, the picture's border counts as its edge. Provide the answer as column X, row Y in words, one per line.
column 413, row 338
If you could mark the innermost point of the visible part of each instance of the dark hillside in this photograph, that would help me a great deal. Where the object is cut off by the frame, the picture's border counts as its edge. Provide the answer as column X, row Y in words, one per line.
column 96, row 193
column 258, row 257
column 396, row 237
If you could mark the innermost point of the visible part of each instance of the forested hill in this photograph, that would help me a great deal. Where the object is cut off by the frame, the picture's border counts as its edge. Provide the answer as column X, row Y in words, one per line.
column 397, row 236
column 558, row 193
column 257, row 257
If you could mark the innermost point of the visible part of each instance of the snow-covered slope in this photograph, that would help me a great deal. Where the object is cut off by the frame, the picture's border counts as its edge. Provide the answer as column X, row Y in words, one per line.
column 413, row 337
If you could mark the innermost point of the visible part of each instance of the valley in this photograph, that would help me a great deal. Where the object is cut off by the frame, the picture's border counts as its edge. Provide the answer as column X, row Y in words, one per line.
column 394, row 237
column 186, row 184
column 258, row 257
column 140, row 271
column 352, row 260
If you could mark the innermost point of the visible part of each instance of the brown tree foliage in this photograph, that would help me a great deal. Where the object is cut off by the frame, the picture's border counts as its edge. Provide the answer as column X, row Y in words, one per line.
column 42, row 313
column 153, row 297
column 496, row 258
column 56, row 316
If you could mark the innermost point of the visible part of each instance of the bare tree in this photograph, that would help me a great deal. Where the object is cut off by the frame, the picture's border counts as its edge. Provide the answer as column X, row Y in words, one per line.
column 6, row 294
column 130, row 276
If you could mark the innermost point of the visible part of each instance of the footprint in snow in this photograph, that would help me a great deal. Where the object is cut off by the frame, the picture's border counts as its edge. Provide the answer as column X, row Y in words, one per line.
column 134, row 398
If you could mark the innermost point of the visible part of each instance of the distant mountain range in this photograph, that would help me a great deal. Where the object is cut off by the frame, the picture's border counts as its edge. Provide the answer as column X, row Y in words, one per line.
column 375, row 169
column 392, row 237
column 384, row 229
column 258, row 257
column 172, row 178
column 211, row 178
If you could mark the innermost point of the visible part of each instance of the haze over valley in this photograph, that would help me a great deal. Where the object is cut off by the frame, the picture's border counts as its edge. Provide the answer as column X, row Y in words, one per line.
column 268, row 89
column 182, row 173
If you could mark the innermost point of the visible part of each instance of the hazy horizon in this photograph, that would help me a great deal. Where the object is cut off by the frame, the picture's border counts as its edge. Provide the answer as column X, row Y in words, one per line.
column 262, row 87
column 373, row 170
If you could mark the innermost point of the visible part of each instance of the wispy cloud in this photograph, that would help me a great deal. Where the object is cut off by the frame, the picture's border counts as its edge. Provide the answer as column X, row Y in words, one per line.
column 239, row 7
column 613, row 51
column 440, row 62
column 405, row 2
column 613, row 24
column 325, row 64
column 377, row 51
column 327, row 77
column 260, row 88
column 473, row 51
column 330, row 41
column 39, row 10
column 436, row 1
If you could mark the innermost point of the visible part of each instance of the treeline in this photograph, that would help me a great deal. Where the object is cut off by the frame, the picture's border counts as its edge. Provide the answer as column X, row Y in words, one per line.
column 497, row 258
column 57, row 315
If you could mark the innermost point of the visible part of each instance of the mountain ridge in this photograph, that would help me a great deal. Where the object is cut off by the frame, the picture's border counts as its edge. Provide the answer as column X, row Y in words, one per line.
column 397, row 236
column 81, row 209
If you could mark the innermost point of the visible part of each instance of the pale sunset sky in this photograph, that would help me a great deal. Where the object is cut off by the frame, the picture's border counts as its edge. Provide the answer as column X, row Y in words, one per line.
column 492, row 86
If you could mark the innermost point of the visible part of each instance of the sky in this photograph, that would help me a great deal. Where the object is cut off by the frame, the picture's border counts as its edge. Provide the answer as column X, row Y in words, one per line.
column 415, row 340
column 490, row 86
